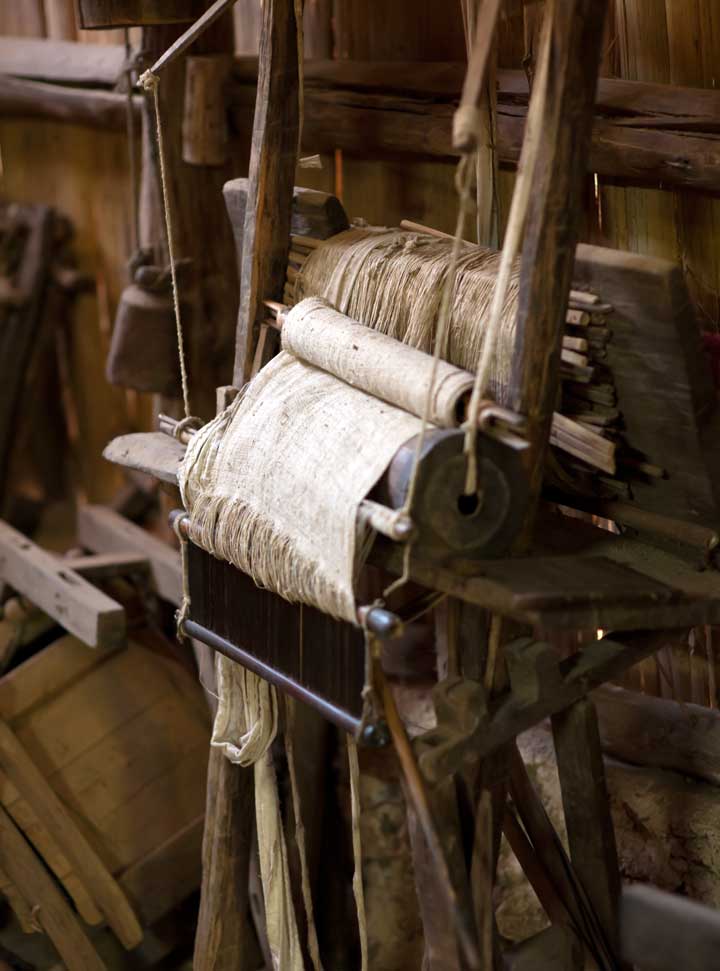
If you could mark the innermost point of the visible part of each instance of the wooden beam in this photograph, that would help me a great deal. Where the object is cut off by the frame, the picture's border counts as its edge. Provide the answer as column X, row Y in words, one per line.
column 273, row 159
column 222, row 942
column 644, row 730
column 74, row 603
column 653, row 134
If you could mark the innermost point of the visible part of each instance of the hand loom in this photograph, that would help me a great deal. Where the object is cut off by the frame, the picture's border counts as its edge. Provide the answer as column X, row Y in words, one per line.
column 608, row 367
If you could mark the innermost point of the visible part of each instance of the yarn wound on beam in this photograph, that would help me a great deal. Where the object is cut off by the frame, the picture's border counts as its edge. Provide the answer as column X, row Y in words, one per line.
column 391, row 280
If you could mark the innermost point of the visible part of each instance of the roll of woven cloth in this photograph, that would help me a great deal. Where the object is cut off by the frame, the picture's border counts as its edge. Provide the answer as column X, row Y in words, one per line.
column 379, row 365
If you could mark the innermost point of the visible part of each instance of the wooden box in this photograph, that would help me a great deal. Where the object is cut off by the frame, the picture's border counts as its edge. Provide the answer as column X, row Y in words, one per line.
column 122, row 737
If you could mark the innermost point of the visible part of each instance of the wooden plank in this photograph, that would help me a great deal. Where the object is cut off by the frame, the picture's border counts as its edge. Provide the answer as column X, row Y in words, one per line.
column 32, row 785
column 103, row 565
column 272, row 176
column 76, row 604
column 102, row 530
column 153, row 453
column 662, row 378
column 587, row 812
column 29, row 685
column 663, row 931
column 63, row 62
column 53, row 912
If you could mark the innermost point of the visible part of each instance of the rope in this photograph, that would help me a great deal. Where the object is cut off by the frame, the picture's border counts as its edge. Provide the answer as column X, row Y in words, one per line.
column 183, row 612
column 151, row 82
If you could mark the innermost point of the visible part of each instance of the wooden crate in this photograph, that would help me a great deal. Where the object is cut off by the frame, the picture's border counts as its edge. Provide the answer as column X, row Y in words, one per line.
column 122, row 737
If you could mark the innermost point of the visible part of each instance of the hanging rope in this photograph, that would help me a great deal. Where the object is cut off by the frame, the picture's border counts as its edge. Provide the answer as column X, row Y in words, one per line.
column 151, row 82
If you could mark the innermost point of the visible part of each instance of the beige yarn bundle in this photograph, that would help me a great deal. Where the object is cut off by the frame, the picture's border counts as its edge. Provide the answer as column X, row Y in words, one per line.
column 392, row 280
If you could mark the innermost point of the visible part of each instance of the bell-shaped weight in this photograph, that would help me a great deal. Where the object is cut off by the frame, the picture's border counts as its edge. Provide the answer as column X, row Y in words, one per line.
column 144, row 349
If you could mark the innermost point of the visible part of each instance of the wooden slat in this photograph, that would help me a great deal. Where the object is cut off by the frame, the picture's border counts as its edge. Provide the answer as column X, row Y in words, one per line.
column 222, row 939
column 662, row 378
column 78, row 606
column 104, row 531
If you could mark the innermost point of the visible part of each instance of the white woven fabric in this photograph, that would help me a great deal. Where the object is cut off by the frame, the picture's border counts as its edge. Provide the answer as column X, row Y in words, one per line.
column 383, row 367
column 273, row 484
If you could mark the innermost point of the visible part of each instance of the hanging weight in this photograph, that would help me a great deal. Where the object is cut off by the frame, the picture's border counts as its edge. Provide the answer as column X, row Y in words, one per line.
column 144, row 351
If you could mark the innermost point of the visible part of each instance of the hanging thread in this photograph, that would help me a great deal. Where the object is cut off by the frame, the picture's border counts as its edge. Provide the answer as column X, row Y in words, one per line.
column 151, row 82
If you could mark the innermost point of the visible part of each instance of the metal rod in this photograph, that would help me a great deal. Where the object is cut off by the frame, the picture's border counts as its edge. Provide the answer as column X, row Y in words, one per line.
column 191, row 34
column 338, row 716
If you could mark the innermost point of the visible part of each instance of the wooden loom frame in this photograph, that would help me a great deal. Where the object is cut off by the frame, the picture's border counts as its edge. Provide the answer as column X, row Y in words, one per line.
column 473, row 724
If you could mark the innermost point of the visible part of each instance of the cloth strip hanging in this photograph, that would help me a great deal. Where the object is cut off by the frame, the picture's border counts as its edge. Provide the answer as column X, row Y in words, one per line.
column 245, row 727
column 273, row 484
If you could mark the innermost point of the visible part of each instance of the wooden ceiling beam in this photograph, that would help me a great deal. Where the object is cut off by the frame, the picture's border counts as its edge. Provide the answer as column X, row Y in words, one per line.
column 646, row 134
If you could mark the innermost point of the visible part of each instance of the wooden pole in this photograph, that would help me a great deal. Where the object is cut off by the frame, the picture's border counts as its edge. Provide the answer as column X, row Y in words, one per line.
column 224, row 940
column 272, row 175
column 552, row 222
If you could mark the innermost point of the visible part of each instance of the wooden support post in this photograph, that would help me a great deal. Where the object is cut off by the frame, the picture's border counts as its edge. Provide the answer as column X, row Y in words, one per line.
column 224, row 940
column 548, row 254
column 272, row 174
column 587, row 811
